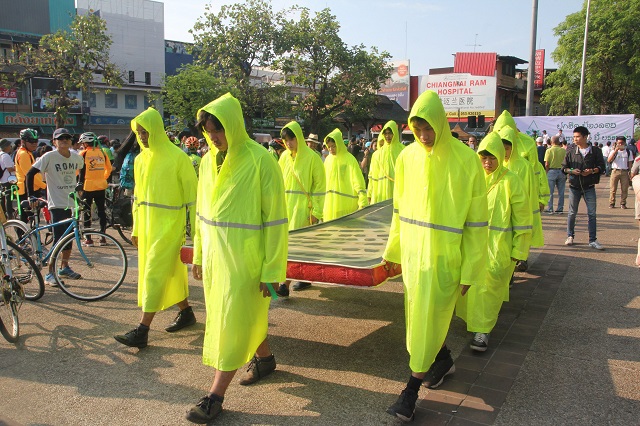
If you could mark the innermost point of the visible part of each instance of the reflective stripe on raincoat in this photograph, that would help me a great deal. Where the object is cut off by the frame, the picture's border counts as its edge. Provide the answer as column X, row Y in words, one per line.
column 510, row 224
column 382, row 173
column 304, row 182
column 523, row 147
column 166, row 188
column 240, row 240
column 346, row 191
column 438, row 231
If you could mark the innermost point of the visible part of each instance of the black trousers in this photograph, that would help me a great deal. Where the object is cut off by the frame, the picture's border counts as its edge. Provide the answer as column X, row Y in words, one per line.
column 98, row 197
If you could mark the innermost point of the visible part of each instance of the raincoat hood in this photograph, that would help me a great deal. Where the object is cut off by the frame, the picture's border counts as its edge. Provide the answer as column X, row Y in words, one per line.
column 303, row 149
column 151, row 121
column 505, row 119
column 509, row 134
column 493, row 144
column 227, row 109
column 336, row 135
column 380, row 141
column 394, row 128
column 429, row 107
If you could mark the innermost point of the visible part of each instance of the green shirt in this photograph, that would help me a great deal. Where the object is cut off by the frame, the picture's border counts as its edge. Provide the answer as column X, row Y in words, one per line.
column 554, row 157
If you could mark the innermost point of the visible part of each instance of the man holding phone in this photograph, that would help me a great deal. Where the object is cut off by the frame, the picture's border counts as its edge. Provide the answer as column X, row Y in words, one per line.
column 584, row 164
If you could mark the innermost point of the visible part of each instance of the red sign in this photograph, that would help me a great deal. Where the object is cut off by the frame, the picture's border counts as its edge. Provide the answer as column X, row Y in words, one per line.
column 538, row 82
column 8, row 96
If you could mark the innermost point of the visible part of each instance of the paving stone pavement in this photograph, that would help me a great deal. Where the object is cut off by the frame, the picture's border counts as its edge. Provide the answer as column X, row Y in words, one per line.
column 565, row 351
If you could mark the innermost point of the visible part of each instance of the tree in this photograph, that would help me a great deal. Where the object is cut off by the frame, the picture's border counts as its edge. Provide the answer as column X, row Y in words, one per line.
column 192, row 88
column 72, row 58
column 314, row 57
column 234, row 45
column 612, row 77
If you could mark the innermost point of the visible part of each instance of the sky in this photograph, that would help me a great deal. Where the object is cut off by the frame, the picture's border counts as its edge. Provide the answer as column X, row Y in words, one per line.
column 427, row 32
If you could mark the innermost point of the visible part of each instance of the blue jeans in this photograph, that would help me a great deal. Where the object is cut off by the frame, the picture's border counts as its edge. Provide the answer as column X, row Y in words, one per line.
column 589, row 195
column 556, row 178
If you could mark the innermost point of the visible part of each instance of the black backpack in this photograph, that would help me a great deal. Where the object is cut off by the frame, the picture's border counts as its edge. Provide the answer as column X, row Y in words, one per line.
column 122, row 214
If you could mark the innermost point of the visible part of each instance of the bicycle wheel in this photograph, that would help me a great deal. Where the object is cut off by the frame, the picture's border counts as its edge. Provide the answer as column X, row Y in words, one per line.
column 16, row 230
column 9, row 305
column 103, row 267
column 26, row 272
column 125, row 233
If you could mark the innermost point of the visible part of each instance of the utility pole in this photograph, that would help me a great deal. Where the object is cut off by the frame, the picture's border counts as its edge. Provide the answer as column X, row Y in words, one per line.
column 532, row 59
column 584, row 59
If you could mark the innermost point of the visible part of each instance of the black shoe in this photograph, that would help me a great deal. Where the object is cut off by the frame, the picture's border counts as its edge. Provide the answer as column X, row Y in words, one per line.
column 522, row 265
column 205, row 410
column 405, row 406
column 559, row 211
column 612, row 206
column 301, row 285
column 185, row 318
column 441, row 367
column 258, row 368
column 136, row 338
column 283, row 290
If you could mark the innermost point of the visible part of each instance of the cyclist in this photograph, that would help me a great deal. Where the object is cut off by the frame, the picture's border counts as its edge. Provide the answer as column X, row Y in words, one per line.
column 192, row 145
column 59, row 168
column 92, row 181
column 24, row 160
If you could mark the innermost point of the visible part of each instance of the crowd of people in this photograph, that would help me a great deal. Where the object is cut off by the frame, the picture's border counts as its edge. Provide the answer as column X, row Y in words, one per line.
column 463, row 221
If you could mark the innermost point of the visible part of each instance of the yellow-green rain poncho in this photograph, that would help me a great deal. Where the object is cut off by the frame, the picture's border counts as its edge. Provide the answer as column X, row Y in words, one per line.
column 166, row 187
column 346, row 191
column 382, row 173
column 538, row 169
column 523, row 149
column 510, row 227
column 304, row 182
column 240, row 240
column 438, row 231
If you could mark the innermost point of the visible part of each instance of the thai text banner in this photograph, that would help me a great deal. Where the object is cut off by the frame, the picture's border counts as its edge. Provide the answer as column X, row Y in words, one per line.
column 602, row 128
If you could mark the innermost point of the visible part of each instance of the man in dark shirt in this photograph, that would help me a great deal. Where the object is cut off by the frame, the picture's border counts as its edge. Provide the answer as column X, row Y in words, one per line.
column 584, row 164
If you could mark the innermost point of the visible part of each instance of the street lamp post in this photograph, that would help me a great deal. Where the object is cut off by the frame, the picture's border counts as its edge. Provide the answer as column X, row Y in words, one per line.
column 532, row 59
column 584, row 59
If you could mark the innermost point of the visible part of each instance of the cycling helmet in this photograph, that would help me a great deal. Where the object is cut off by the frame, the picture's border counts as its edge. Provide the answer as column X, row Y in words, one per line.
column 29, row 135
column 89, row 138
column 103, row 138
column 192, row 142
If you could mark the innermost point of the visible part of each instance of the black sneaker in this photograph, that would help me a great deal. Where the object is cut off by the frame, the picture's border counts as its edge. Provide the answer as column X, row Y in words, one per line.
column 258, row 368
column 185, row 318
column 136, row 338
column 559, row 211
column 283, row 290
column 441, row 367
column 522, row 265
column 207, row 409
column 405, row 406
column 480, row 342
column 301, row 285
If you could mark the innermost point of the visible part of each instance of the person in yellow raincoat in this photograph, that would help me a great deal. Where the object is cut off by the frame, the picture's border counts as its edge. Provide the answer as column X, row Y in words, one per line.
column 304, row 185
column 166, row 187
column 439, row 235
column 373, row 163
column 346, row 192
column 240, row 246
column 382, row 173
column 510, row 224
column 527, row 149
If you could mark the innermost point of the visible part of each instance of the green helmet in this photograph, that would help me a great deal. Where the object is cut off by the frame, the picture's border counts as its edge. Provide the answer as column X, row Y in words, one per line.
column 29, row 135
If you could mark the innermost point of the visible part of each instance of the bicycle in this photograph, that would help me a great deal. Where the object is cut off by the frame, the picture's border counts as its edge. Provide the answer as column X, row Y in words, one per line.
column 12, row 286
column 97, row 263
column 118, row 211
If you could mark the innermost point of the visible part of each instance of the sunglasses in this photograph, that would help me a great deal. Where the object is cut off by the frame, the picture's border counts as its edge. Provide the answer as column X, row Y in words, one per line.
column 64, row 138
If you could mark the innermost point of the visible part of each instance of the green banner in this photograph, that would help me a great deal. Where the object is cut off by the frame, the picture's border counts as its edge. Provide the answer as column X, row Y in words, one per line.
column 27, row 119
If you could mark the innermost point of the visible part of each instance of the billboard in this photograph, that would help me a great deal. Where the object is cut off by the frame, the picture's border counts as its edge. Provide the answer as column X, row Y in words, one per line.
column 396, row 87
column 462, row 94
column 538, row 82
column 44, row 92
column 602, row 128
